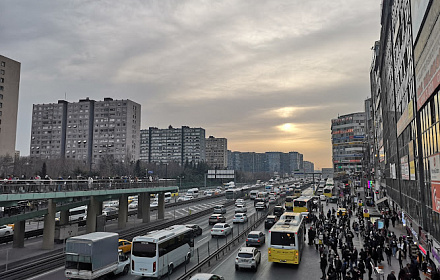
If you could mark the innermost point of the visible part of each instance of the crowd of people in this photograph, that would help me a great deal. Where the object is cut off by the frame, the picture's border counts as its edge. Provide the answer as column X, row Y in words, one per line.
column 334, row 234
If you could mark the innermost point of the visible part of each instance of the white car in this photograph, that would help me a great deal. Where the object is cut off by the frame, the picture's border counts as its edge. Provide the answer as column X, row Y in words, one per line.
column 240, row 208
column 6, row 230
column 133, row 204
column 221, row 229
column 185, row 198
column 240, row 201
column 240, row 218
column 322, row 197
column 248, row 257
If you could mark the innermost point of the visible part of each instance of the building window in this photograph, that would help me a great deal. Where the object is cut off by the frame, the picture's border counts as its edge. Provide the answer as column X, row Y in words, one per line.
column 2, row 72
column 1, row 105
column 2, row 80
column 3, row 63
column 2, row 87
column 1, row 96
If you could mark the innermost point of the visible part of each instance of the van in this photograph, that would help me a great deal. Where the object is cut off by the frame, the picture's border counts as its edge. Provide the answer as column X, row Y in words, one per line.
column 167, row 197
column 194, row 192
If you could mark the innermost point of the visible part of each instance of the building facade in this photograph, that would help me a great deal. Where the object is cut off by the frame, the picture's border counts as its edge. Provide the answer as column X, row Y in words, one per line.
column 309, row 167
column 9, row 89
column 87, row 130
column 348, row 133
column 180, row 145
column 216, row 152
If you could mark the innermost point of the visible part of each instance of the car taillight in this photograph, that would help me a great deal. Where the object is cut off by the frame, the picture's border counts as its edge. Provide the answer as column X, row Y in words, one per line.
column 258, row 241
column 222, row 230
column 132, row 264
column 247, row 240
column 154, row 267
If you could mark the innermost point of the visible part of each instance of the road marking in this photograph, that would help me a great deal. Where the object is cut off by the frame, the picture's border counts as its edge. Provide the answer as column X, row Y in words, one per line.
column 46, row 273
column 202, row 239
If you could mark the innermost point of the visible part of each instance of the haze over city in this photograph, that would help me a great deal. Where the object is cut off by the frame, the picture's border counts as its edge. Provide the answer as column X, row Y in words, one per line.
column 266, row 75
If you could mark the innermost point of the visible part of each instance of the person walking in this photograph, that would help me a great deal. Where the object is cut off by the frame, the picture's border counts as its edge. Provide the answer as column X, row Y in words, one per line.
column 392, row 275
column 389, row 253
column 400, row 258
column 323, row 265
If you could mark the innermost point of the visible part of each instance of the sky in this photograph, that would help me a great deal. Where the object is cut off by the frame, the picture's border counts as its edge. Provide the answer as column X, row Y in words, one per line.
column 266, row 75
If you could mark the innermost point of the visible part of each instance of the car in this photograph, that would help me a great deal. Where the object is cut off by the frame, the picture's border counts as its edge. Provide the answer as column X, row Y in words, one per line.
column 240, row 201
column 341, row 212
column 185, row 198
column 155, row 203
column 270, row 221
column 221, row 229
column 219, row 209
column 240, row 218
column 255, row 238
column 197, row 230
column 248, row 257
column 272, row 200
column 124, row 245
column 210, row 193
column 240, row 208
column 216, row 218
column 133, row 204
column 6, row 230
column 206, row 276
column 333, row 199
column 260, row 206
column 278, row 210
column 108, row 211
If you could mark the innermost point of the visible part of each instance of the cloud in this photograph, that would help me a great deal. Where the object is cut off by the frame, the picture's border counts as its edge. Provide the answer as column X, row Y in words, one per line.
column 240, row 69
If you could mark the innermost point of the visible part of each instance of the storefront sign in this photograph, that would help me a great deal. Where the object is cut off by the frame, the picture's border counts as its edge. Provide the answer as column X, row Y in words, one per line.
column 412, row 170
column 405, row 119
column 434, row 167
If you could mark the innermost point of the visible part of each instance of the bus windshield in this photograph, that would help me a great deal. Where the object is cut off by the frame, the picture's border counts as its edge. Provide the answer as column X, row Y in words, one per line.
column 144, row 249
column 282, row 239
column 289, row 199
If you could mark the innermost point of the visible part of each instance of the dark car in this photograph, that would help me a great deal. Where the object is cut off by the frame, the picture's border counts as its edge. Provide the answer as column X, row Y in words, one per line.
column 278, row 210
column 196, row 229
column 216, row 218
column 270, row 221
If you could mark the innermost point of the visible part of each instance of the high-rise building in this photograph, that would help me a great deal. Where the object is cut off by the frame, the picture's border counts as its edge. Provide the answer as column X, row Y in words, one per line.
column 87, row 130
column 348, row 133
column 216, row 152
column 9, row 89
column 184, row 144
column 309, row 167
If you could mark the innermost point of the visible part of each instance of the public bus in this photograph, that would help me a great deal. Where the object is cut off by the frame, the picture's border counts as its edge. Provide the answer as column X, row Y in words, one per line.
column 286, row 241
column 329, row 191
column 302, row 204
column 233, row 194
column 75, row 214
column 289, row 203
column 160, row 252
column 297, row 192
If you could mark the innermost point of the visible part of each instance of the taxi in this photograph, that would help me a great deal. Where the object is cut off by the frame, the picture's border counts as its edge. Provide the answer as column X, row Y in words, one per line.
column 341, row 211
column 124, row 245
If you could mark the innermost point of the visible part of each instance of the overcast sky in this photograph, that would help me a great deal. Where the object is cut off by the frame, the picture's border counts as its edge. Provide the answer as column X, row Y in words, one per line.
column 266, row 75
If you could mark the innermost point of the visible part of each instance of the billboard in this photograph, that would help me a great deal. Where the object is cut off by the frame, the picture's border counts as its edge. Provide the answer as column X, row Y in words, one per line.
column 434, row 170
column 221, row 174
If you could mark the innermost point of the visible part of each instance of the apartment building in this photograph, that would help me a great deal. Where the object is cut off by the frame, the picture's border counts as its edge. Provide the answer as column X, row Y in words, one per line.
column 216, row 152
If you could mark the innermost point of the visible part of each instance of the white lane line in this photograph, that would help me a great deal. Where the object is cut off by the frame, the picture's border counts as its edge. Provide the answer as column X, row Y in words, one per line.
column 180, row 213
column 46, row 273
column 202, row 239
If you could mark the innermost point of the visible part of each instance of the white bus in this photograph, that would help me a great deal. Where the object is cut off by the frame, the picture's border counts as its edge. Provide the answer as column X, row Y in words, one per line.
column 194, row 192
column 75, row 214
column 160, row 252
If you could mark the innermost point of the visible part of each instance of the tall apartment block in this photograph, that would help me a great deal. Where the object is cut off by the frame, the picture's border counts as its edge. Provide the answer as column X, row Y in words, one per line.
column 9, row 88
column 216, row 152
column 348, row 133
column 173, row 145
column 309, row 167
column 87, row 130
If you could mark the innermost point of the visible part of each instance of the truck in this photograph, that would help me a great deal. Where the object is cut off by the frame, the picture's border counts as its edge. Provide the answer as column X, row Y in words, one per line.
column 94, row 255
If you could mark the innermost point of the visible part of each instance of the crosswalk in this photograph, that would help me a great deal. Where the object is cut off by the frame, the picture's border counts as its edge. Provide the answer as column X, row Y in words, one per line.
column 186, row 210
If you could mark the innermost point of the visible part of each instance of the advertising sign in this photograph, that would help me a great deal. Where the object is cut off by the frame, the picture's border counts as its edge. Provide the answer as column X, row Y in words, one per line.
column 428, row 65
column 418, row 8
column 393, row 170
column 434, row 167
column 404, row 168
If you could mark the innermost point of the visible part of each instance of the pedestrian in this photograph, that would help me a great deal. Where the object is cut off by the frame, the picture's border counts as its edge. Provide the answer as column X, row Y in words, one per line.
column 323, row 265
column 393, row 220
column 400, row 258
column 391, row 276
column 338, row 267
column 388, row 252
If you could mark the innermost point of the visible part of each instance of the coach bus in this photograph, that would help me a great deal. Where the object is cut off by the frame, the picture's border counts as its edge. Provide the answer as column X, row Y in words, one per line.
column 160, row 252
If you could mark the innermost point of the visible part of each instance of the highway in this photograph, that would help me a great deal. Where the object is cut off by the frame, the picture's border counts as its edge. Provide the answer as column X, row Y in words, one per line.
column 225, row 266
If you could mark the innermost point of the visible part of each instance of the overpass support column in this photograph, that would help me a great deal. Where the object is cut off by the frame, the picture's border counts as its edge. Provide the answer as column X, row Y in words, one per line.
column 145, row 207
column 49, row 226
column 161, row 206
column 123, row 211
column 18, row 239
column 92, row 211
column 140, row 203
column 64, row 217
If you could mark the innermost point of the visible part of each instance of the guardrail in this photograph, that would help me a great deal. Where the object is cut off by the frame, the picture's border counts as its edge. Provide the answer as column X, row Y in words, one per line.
column 27, row 268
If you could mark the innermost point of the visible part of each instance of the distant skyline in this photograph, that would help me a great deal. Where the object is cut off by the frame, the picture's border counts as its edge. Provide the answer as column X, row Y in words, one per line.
column 266, row 75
